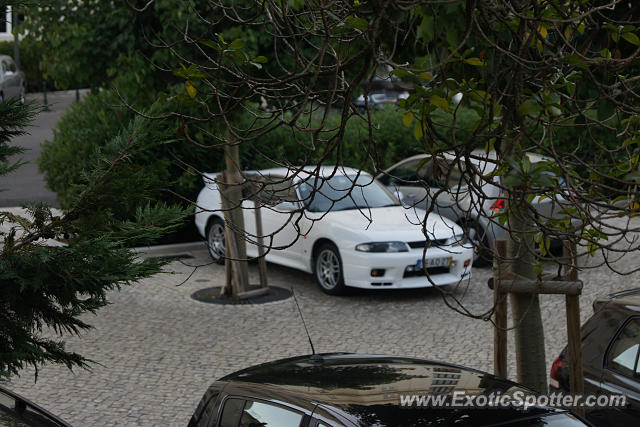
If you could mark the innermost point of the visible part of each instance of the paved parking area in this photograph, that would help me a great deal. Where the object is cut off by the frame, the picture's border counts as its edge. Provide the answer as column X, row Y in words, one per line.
column 156, row 349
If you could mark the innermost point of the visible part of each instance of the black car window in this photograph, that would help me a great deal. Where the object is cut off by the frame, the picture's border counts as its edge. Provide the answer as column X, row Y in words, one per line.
column 408, row 174
column 261, row 414
column 623, row 356
column 272, row 190
column 449, row 175
column 231, row 412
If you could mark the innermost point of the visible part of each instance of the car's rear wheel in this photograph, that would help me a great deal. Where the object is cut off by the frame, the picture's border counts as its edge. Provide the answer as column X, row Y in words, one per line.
column 215, row 240
column 328, row 270
column 482, row 255
column 22, row 97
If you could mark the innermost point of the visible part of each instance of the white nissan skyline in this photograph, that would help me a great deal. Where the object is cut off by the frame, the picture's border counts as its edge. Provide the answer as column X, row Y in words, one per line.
column 351, row 231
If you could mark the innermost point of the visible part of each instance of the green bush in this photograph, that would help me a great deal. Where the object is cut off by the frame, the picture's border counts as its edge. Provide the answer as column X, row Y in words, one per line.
column 89, row 130
column 391, row 141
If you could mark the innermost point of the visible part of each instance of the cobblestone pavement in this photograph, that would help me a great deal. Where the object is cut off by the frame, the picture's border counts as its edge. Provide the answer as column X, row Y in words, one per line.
column 156, row 349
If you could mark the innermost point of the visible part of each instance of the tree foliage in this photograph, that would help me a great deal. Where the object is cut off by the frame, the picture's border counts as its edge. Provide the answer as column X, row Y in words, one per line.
column 46, row 285
column 549, row 77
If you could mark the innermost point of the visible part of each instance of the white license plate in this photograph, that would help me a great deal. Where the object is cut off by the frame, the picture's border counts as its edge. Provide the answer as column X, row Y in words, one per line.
column 434, row 262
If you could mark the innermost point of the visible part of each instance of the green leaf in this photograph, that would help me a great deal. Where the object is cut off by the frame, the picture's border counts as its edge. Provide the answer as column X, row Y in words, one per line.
column 529, row 107
column 537, row 268
column 401, row 73
column 210, row 44
column 191, row 89
column 426, row 31
column 439, row 102
column 631, row 38
column 407, row 118
column 554, row 111
column 417, row 130
column 475, row 61
column 605, row 53
column 526, row 164
column 425, row 76
column 576, row 61
column 512, row 181
column 452, row 36
column 357, row 23
column 615, row 37
column 237, row 44
column 189, row 73
column 261, row 59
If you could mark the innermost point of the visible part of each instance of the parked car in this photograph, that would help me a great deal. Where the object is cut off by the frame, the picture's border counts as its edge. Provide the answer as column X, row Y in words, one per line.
column 16, row 411
column 610, row 350
column 381, row 97
column 362, row 238
column 361, row 390
column 13, row 82
column 420, row 180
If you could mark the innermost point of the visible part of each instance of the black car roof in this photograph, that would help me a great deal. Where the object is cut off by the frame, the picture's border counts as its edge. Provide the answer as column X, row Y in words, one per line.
column 368, row 388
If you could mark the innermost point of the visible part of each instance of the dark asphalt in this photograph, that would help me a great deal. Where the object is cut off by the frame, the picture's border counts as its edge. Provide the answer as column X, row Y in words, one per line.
column 26, row 184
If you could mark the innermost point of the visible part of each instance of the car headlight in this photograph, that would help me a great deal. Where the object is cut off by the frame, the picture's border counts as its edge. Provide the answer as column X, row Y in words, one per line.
column 459, row 240
column 383, row 247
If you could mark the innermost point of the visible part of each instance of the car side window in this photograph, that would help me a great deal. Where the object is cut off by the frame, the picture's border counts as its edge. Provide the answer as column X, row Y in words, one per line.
column 252, row 413
column 277, row 190
column 623, row 356
column 409, row 173
column 449, row 175
column 260, row 414
column 231, row 412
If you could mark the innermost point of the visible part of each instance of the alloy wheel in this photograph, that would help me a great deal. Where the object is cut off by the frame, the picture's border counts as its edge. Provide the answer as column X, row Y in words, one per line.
column 328, row 269
column 215, row 240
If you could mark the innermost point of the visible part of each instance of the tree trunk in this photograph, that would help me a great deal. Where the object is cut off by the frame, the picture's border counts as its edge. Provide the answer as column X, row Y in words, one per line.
column 233, row 215
column 525, row 308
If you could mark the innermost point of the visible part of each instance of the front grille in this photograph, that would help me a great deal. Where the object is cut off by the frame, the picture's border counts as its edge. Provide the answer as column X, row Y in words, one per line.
column 422, row 243
column 433, row 271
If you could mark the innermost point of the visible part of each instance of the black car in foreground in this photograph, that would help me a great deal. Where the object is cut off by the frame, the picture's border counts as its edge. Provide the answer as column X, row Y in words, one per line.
column 610, row 350
column 365, row 390
column 16, row 411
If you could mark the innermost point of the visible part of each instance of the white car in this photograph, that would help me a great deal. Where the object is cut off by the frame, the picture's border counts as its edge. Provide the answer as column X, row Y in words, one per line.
column 364, row 238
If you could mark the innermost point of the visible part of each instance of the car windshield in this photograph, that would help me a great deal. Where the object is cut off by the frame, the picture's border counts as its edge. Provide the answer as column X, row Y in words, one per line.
column 343, row 192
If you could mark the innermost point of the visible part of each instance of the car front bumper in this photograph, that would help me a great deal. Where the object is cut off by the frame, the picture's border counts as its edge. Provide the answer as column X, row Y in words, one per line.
column 358, row 266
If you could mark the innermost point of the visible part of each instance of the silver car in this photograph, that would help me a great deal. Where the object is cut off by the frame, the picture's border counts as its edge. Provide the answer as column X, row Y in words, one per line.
column 12, row 81
column 474, row 209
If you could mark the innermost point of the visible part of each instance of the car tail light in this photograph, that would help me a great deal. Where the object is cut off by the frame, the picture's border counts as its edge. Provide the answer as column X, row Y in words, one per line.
column 554, row 375
column 499, row 204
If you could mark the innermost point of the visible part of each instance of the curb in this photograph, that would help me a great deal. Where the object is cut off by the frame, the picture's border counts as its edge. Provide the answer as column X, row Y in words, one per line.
column 176, row 249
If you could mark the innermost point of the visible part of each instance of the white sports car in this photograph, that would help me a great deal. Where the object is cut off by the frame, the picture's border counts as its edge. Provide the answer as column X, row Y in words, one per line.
column 351, row 231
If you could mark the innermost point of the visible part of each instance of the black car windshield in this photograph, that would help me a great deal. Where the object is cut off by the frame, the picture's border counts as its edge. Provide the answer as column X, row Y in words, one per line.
column 342, row 192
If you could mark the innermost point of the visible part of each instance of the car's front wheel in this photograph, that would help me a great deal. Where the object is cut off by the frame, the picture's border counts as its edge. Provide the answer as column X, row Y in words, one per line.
column 215, row 240
column 328, row 270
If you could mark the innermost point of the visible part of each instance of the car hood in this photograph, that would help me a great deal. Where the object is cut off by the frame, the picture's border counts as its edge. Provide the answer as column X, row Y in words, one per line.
column 392, row 223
